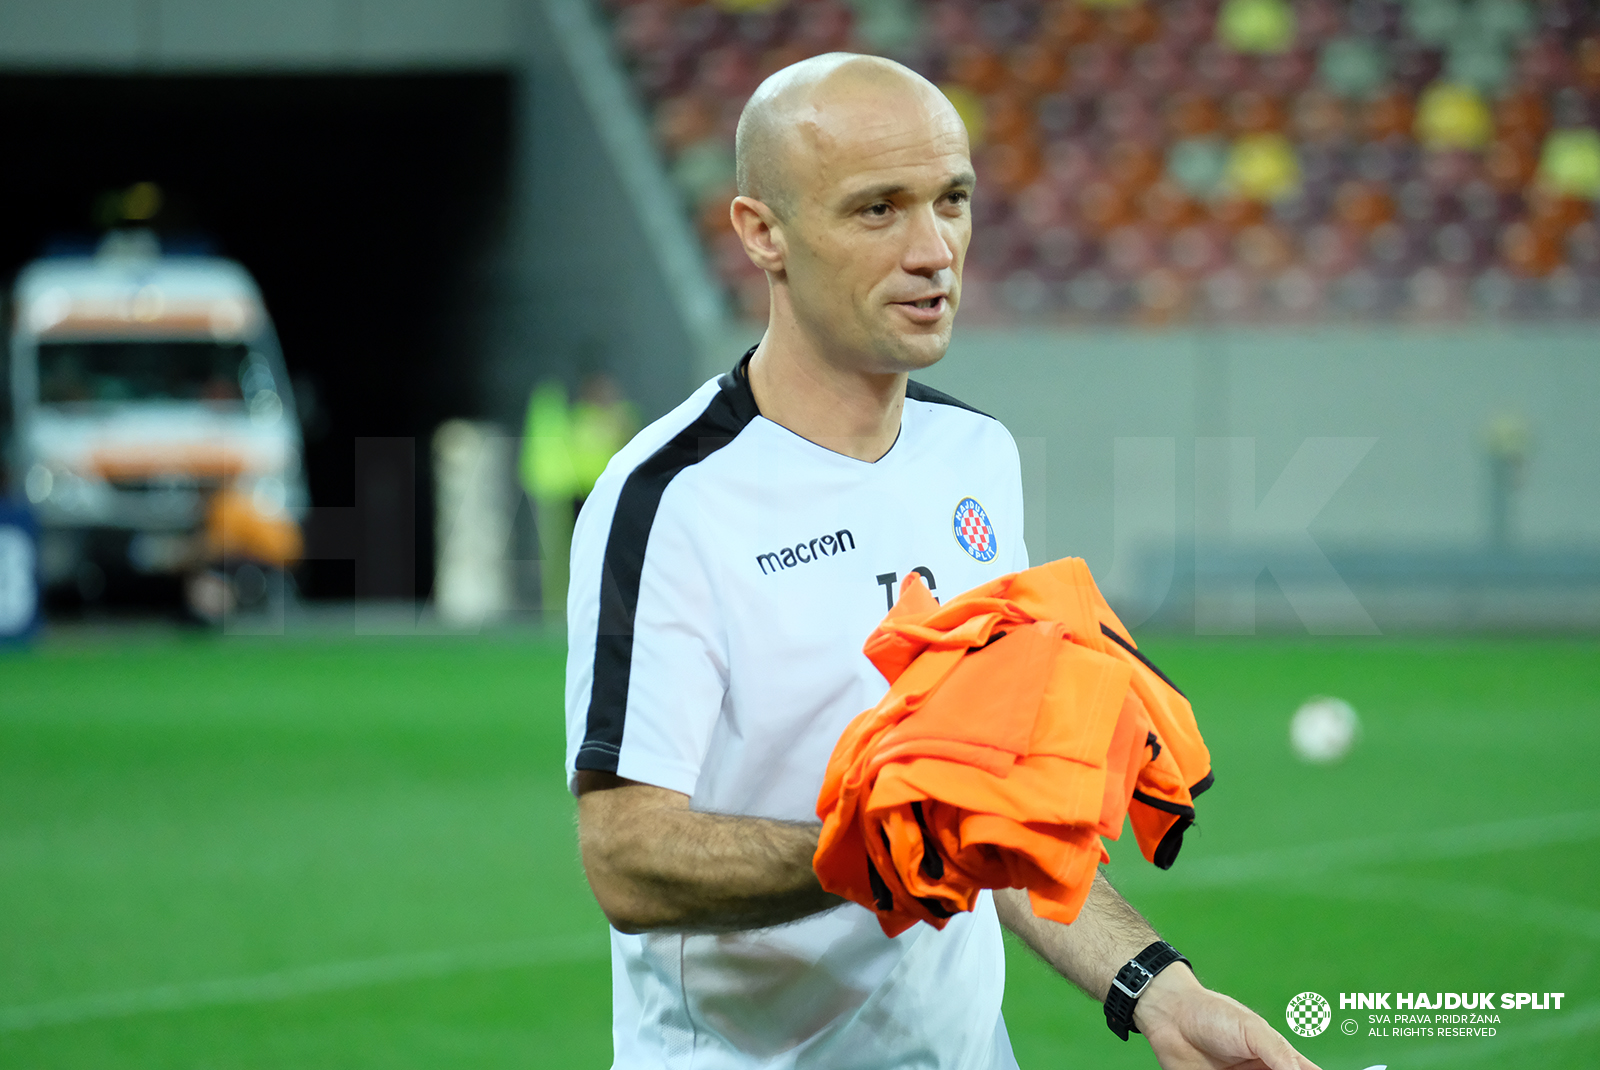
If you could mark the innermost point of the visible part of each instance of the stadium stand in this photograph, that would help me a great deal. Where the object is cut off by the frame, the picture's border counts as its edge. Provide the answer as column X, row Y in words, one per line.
column 1196, row 161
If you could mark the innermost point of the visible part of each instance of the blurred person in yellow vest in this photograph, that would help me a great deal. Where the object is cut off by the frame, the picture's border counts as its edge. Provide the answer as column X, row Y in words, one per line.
column 602, row 423
column 242, row 541
column 564, row 451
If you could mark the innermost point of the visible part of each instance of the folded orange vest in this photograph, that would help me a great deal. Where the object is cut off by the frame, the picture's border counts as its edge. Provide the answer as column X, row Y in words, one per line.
column 1021, row 725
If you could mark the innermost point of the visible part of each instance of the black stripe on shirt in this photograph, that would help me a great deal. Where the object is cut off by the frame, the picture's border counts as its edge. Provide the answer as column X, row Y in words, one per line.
column 724, row 417
column 917, row 392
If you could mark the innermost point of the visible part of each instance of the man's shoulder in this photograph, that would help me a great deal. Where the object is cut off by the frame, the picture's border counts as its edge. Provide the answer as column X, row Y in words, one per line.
column 701, row 425
column 916, row 391
column 953, row 426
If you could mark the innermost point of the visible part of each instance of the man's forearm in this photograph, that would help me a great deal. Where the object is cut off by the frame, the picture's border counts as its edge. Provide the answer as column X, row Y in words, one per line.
column 1089, row 952
column 1187, row 1024
column 654, row 864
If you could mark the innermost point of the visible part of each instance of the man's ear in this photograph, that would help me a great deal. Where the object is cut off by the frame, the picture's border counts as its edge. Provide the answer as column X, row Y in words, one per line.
column 761, row 232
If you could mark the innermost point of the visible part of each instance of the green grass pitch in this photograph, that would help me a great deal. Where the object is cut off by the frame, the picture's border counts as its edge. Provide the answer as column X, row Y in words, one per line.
column 350, row 853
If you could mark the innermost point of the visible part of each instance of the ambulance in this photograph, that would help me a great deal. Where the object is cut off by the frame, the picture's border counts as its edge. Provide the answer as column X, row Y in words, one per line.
column 144, row 386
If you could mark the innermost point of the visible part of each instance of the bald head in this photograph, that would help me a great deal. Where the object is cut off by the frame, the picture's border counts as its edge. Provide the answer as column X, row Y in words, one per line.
column 855, row 182
column 789, row 111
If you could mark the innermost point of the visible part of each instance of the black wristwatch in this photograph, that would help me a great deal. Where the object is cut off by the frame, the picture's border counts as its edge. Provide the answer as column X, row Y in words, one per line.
column 1132, row 980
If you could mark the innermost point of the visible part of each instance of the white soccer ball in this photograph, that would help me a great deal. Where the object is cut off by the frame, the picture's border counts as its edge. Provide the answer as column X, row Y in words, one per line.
column 1324, row 729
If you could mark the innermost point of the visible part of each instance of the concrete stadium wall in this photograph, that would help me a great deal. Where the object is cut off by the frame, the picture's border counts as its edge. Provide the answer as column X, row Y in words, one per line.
column 1121, row 434
column 602, row 269
column 188, row 35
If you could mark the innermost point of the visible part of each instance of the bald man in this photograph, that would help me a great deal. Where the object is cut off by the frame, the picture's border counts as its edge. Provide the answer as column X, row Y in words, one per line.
column 726, row 571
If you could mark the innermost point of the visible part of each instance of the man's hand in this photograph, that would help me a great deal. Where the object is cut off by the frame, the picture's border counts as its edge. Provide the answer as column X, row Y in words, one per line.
column 1190, row 1027
column 655, row 864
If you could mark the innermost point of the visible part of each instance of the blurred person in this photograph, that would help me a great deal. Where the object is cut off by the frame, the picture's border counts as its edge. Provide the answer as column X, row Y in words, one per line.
column 602, row 422
column 564, row 451
column 550, row 480
column 714, row 660
column 242, row 552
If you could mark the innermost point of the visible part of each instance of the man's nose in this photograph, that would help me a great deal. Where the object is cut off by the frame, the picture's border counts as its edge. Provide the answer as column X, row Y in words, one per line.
column 928, row 249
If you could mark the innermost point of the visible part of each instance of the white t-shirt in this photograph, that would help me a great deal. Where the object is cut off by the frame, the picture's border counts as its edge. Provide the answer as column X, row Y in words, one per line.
column 725, row 574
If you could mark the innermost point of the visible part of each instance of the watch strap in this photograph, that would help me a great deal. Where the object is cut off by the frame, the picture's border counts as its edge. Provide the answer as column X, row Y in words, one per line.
column 1132, row 980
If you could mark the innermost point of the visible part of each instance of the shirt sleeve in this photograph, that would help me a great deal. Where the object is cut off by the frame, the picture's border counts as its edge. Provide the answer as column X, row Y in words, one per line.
column 644, row 688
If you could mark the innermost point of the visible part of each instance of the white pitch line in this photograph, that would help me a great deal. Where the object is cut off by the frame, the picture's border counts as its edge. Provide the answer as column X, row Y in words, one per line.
column 302, row 981
column 1460, row 842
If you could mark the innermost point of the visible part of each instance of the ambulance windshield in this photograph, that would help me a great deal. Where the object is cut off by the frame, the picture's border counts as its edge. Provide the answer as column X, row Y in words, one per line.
column 123, row 371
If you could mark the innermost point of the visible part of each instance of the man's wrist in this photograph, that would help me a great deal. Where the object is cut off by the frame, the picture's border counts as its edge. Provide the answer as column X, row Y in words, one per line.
column 1132, row 982
column 1165, row 989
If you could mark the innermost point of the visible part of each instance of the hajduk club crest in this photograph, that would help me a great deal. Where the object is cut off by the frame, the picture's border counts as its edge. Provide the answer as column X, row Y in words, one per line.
column 974, row 531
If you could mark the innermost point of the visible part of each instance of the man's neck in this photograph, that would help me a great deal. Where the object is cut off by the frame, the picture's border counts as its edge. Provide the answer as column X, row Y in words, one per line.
column 850, row 412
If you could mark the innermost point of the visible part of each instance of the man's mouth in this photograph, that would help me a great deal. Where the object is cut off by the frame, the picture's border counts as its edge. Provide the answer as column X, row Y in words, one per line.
column 926, row 303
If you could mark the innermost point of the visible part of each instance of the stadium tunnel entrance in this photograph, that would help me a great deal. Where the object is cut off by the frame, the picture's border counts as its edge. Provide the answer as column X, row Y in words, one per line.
column 370, row 208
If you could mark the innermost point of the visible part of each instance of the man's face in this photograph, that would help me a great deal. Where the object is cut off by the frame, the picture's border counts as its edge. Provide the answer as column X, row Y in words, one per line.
column 879, row 225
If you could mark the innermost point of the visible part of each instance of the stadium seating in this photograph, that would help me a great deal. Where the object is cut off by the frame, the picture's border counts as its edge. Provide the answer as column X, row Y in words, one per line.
column 1195, row 161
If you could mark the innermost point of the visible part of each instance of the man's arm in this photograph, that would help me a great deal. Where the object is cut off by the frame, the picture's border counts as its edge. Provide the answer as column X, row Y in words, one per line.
column 1090, row 951
column 653, row 863
column 1189, row 1027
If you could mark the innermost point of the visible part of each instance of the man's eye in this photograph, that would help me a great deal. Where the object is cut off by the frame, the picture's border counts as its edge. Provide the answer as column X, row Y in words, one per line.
column 959, row 196
column 879, row 210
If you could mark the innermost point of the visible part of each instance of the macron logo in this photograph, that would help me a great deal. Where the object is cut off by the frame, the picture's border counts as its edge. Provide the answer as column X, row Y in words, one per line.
column 802, row 553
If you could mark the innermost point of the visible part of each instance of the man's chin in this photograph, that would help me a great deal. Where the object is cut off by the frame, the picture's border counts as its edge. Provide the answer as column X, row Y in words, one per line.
column 913, row 351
